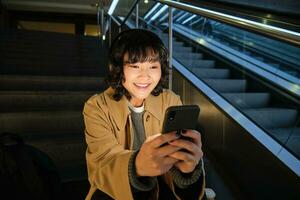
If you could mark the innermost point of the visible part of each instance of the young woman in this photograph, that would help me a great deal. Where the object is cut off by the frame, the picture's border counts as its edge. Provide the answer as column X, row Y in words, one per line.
column 127, row 157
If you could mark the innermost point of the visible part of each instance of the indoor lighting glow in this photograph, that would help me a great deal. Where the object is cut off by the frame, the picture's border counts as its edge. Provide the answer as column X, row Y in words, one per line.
column 159, row 12
column 146, row 1
column 164, row 17
column 152, row 10
column 112, row 7
column 190, row 18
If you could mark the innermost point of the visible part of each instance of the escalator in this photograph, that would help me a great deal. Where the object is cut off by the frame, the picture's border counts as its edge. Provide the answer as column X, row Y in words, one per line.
column 243, row 92
column 247, row 86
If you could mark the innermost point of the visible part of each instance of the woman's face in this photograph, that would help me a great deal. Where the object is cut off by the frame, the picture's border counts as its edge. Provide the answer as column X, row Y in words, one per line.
column 140, row 79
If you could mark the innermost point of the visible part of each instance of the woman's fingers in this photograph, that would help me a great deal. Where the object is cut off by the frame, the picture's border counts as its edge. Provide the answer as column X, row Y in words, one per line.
column 163, row 139
column 194, row 135
column 184, row 144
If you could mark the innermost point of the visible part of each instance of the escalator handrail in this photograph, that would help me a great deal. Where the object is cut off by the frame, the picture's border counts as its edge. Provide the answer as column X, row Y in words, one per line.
column 274, row 32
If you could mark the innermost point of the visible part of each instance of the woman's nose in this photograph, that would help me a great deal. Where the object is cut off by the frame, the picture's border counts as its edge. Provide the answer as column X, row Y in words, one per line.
column 144, row 72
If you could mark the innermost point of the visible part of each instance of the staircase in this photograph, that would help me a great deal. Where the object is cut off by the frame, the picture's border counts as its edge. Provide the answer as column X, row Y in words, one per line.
column 45, row 78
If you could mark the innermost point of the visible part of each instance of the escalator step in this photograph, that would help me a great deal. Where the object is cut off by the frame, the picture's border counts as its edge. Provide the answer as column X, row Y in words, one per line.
column 227, row 85
column 197, row 63
column 211, row 73
column 180, row 55
column 290, row 137
column 174, row 43
column 248, row 100
column 284, row 134
column 183, row 49
column 270, row 118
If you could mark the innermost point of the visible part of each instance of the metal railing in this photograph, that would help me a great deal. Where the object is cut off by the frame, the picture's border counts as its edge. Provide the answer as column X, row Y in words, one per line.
column 271, row 31
column 133, row 7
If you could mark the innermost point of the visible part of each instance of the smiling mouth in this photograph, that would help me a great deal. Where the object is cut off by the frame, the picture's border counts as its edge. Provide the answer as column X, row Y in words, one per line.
column 139, row 85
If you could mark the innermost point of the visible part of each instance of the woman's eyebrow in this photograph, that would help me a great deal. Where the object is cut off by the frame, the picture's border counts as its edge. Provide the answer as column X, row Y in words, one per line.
column 126, row 62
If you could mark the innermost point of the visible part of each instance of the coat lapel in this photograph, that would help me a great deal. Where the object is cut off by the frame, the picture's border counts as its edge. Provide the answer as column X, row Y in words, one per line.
column 118, row 109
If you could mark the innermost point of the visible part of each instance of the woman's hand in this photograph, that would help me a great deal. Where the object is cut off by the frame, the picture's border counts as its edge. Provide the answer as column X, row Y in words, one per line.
column 190, row 153
column 153, row 158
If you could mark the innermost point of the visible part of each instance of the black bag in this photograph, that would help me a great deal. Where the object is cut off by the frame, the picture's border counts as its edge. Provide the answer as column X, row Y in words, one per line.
column 26, row 172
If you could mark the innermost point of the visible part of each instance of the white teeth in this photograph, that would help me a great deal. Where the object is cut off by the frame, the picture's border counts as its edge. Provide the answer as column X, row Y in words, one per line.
column 141, row 85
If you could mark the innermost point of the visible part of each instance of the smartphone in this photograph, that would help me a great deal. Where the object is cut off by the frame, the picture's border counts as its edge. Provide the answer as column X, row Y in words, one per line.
column 181, row 117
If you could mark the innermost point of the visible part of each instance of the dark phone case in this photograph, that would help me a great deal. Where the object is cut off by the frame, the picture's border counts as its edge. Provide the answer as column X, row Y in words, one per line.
column 180, row 117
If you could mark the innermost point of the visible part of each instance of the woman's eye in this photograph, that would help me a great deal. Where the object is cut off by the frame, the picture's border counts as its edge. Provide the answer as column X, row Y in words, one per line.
column 134, row 66
column 153, row 67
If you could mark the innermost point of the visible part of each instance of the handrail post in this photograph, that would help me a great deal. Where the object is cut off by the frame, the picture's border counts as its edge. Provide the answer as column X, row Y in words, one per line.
column 137, row 15
column 98, row 19
column 102, row 22
column 109, row 30
column 170, row 45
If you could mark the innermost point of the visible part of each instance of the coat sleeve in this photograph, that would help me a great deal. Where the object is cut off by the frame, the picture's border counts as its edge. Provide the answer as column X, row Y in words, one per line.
column 173, row 100
column 107, row 160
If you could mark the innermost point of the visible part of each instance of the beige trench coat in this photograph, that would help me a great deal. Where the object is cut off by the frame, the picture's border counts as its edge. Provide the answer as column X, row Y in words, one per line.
column 109, row 137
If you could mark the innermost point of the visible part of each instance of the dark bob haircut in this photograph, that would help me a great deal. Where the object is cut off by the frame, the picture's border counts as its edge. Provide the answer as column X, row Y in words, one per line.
column 141, row 46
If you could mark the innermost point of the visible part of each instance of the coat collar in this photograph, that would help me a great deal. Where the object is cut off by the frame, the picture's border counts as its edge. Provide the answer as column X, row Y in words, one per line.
column 120, row 111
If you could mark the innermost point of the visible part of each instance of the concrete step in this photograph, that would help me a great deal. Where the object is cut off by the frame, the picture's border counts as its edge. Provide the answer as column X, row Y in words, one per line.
column 48, row 83
column 53, row 48
column 52, row 57
column 20, row 101
column 68, row 155
column 50, row 79
column 270, row 118
column 211, row 73
column 48, row 63
column 53, row 52
column 50, row 51
column 29, row 34
column 70, row 41
column 248, row 100
column 31, row 124
column 227, row 85
column 13, row 69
